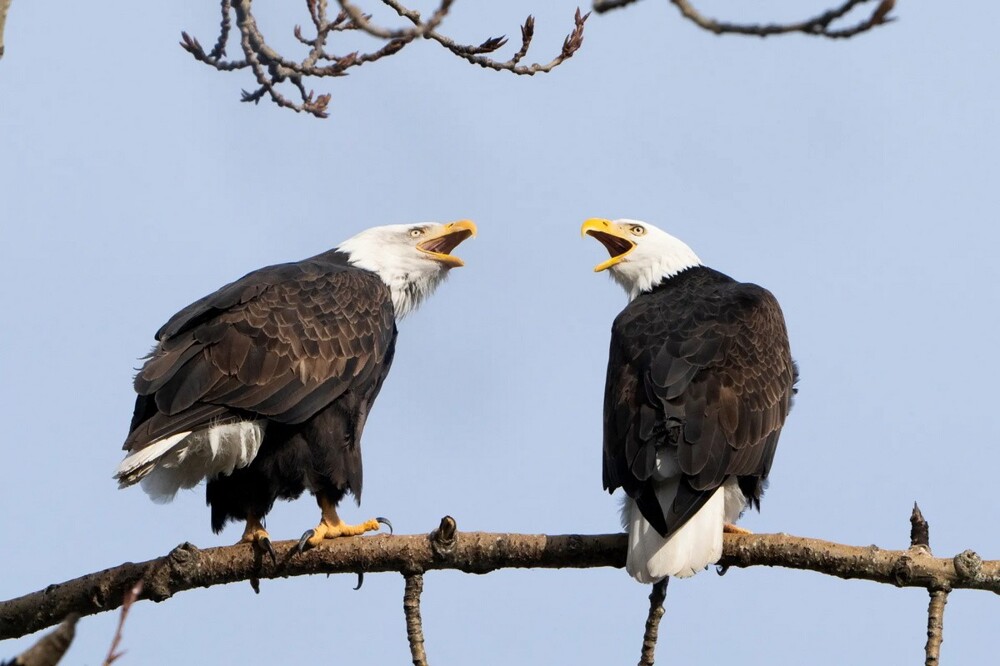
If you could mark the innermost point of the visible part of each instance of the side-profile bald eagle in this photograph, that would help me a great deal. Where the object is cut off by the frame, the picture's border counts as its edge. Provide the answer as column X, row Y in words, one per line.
column 263, row 387
column 700, row 380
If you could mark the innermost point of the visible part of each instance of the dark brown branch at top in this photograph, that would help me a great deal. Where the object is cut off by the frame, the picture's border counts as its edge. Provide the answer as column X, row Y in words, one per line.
column 272, row 70
column 656, row 597
column 821, row 25
column 187, row 567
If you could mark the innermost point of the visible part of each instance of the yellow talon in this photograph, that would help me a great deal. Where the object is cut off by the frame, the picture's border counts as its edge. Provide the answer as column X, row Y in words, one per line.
column 331, row 526
column 257, row 536
column 254, row 531
column 734, row 529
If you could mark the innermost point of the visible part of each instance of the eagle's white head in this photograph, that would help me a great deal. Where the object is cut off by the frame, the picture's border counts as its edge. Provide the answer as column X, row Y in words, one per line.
column 642, row 256
column 412, row 259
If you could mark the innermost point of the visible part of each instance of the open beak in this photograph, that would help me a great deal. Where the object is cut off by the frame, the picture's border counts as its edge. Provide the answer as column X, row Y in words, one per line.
column 612, row 237
column 439, row 247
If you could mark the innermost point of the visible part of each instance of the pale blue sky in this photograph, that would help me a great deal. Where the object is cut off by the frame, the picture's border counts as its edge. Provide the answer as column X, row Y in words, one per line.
column 857, row 180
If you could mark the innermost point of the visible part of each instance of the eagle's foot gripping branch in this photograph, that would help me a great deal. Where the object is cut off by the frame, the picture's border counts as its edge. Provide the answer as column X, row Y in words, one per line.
column 328, row 529
column 256, row 535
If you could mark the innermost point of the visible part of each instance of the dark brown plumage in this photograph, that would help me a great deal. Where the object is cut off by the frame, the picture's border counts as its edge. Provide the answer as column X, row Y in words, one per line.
column 304, row 346
column 263, row 388
column 700, row 362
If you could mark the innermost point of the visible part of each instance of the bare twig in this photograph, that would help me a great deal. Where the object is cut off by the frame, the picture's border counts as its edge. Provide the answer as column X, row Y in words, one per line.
column 51, row 647
column 414, row 627
column 818, row 26
column 271, row 69
column 4, row 6
column 935, row 626
column 130, row 598
column 187, row 567
column 656, row 597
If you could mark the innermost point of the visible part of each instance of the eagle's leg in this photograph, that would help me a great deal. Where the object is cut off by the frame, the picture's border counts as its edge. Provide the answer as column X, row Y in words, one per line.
column 735, row 529
column 331, row 526
column 258, row 536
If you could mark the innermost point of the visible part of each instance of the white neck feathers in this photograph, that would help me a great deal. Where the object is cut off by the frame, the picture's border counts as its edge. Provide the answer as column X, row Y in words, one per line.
column 410, row 277
column 658, row 256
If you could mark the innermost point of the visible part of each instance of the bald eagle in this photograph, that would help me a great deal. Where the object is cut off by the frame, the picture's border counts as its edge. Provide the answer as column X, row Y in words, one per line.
column 700, row 379
column 263, row 387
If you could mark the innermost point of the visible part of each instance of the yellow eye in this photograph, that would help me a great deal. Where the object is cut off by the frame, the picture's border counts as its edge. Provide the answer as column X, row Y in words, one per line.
column 638, row 230
column 416, row 232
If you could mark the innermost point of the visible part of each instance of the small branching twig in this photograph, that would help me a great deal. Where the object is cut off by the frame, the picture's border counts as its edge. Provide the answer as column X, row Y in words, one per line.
column 130, row 598
column 271, row 69
column 935, row 626
column 820, row 25
column 414, row 627
column 51, row 647
column 656, row 597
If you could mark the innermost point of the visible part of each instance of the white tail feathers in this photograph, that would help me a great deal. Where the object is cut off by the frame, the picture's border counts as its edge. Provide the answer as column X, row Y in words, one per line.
column 687, row 551
column 185, row 459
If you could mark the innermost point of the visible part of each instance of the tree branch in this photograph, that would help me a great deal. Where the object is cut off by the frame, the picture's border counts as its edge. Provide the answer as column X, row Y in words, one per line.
column 656, row 597
column 130, row 598
column 187, row 567
column 414, row 627
column 935, row 626
column 271, row 69
column 818, row 26
column 51, row 647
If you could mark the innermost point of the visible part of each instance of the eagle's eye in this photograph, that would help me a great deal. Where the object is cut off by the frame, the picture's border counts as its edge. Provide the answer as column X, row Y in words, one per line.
column 416, row 232
column 637, row 230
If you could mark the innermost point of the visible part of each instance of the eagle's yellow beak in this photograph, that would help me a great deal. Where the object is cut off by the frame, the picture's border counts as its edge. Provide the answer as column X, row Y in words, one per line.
column 612, row 236
column 440, row 246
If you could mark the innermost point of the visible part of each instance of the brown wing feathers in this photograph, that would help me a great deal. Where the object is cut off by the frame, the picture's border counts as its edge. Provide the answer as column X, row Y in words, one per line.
column 283, row 345
column 700, row 363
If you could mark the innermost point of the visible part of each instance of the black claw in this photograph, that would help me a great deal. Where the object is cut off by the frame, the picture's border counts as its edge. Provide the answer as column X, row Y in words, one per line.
column 361, row 580
column 384, row 521
column 266, row 546
column 304, row 541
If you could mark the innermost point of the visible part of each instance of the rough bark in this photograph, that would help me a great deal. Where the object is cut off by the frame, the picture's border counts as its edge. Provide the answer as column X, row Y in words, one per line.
column 188, row 567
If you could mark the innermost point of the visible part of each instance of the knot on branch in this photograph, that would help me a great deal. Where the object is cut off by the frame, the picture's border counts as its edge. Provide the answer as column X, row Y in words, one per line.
column 183, row 553
column 902, row 571
column 968, row 565
column 443, row 538
column 165, row 575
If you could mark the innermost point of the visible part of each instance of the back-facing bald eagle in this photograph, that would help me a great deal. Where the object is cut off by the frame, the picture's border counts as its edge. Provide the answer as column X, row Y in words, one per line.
column 700, row 380
column 264, row 386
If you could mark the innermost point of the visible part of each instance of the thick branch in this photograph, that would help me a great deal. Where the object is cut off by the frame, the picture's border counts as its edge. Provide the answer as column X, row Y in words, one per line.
column 935, row 626
column 187, row 567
